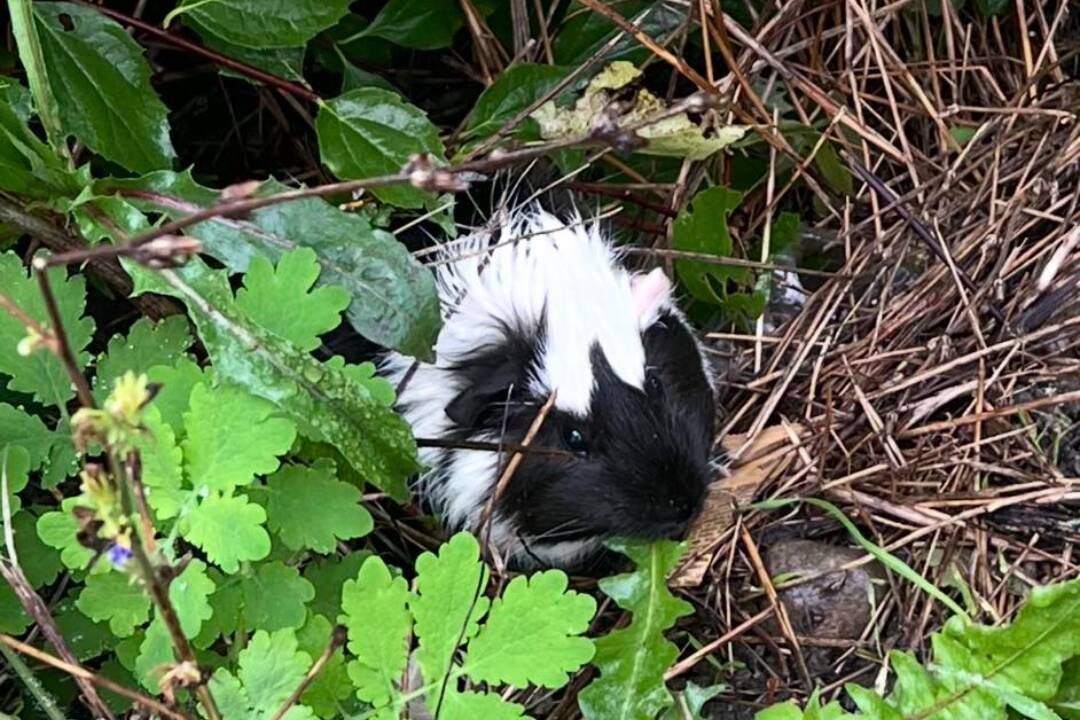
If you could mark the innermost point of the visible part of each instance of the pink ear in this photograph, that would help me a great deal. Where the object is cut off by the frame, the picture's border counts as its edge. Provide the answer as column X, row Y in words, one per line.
column 649, row 291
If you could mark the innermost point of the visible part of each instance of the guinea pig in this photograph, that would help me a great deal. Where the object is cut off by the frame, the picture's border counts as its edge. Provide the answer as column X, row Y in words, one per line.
column 541, row 306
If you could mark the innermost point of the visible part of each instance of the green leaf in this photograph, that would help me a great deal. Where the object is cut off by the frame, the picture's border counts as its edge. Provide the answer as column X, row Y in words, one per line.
column 702, row 228
column 41, row 373
column 229, row 530
column 260, row 24
column 328, row 577
column 177, row 381
column 394, row 302
column 417, row 24
column 309, row 508
column 586, row 33
column 190, row 593
column 86, row 638
column 284, row 62
column 449, row 602
column 282, row 301
column 115, row 597
column 155, row 655
column 39, row 562
column 58, row 529
column 466, row 705
column 15, row 473
column 331, row 687
column 326, row 403
column 27, row 165
column 512, row 92
column 275, row 597
column 19, row 428
column 990, row 8
column 232, row 436
column 632, row 660
column 63, row 461
column 147, row 344
column 161, row 466
column 370, row 132
column 690, row 701
column 17, row 96
column 226, row 608
column 13, row 617
column 100, row 73
column 378, row 622
column 532, row 633
column 271, row 667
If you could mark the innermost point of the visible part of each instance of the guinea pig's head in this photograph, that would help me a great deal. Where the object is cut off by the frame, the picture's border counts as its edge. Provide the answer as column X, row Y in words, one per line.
column 632, row 420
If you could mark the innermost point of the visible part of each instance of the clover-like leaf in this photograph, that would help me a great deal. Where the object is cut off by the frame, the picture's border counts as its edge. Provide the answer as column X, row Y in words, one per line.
column 115, row 597
column 41, row 373
column 275, row 597
column 533, row 633
column 58, row 529
column 232, row 436
column 375, row 613
column 229, row 530
column 309, row 508
column 271, row 667
column 282, row 300
column 146, row 344
column 189, row 593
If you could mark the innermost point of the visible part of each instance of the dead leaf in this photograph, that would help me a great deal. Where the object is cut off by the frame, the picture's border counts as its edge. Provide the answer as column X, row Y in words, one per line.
column 770, row 454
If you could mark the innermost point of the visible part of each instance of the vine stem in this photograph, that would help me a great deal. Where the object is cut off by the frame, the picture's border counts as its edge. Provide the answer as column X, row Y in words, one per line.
column 33, row 61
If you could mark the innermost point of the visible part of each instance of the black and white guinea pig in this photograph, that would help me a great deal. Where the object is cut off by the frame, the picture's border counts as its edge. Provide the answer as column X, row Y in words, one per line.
column 541, row 306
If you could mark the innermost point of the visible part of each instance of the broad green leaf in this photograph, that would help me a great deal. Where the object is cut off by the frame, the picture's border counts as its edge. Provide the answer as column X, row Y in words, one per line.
column 86, row 638
column 229, row 695
column 177, row 381
column 394, row 302
column 282, row 300
column 271, row 667
column 418, row 24
column 41, row 373
column 16, row 96
column 309, row 508
column 449, row 602
column 587, row 33
column 156, row 654
column 226, row 608
column 115, row 597
column 378, row 622
column 58, row 529
column 147, row 344
column 275, row 597
column 19, row 428
column 328, row 577
column 702, row 228
column 513, row 91
column 39, row 562
column 161, row 466
column 229, row 530
column 190, row 594
column 533, row 633
column 13, row 617
column 332, row 687
column 27, row 165
column 99, row 72
column 284, row 62
column 232, row 436
column 263, row 23
column 632, row 660
column 326, row 403
column 14, row 473
column 371, row 132
column 467, row 705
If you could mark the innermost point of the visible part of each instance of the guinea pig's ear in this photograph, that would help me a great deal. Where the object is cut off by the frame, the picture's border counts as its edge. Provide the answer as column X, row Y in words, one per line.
column 467, row 408
column 650, row 292
column 489, row 379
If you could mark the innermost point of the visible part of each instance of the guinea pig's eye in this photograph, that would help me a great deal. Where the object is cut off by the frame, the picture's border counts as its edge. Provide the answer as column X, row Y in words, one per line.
column 574, row 440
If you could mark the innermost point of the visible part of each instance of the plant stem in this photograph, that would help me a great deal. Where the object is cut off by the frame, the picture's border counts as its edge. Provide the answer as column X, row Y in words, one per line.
column 33, row 60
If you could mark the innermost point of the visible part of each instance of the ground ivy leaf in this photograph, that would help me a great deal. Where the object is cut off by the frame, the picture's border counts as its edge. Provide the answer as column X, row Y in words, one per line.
column 394, row 302
column 40, row 562
column 332, row 686
column 309, row 508
column 378, row 622
column 702, row 228
column 369, row 132
column 417, row 24
column 190, row 593
column 232, row 436
column 632, row 660
column 15, row 472
column 532, row 633
column 271, row 667
column 161, row 466
column 177, row 381
column 328, row 576
column 113, row 596
column 19, row 428
column 449, row 602
column 275, row 597
column 282, row 300
column 325, row 402
column 468, row 705
column 100, row 72
column 40, row 373
column 229, row 530
column 260, row 24
column 147, row 344
column 58, row 529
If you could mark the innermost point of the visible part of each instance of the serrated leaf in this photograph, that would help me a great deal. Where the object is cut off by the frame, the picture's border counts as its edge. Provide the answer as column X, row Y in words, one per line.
column 41, row 373
column 27, row 165
column 309, row 508
column 282, row 300
column 328, row 577
column 702, row 228
column 394, row 302
column 100, row 72
column 147, row 344
column 189, row 593
column 229, row 530
column 532, row 633
column 19, row 428
column 632, row 661
column 177, row 381
column 379, row 623
column 14, row 474
column 115, row 597
column 275, row 597
column 232, row 436
column 39, row 562
column 370, row 132
column 513, row 91
column 58, row 529
column 467, row 705
column 271, row 667
column 325, row 402
column 332, row 687
column 449, row 602
column 161, row 466
column 261, row 24
column 417, row 24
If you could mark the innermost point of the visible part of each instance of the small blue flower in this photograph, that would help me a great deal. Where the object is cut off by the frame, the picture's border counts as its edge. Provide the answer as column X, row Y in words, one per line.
column 119, row 555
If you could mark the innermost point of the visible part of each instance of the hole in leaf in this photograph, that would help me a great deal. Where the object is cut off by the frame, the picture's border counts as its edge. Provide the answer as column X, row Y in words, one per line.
column 66, row 22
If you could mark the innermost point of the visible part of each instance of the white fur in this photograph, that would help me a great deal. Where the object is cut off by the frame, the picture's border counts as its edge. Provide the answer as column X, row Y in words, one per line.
column 535, row 267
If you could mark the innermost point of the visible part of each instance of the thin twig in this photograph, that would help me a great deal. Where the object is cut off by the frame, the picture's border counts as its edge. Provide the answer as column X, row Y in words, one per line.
column 337, row 640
